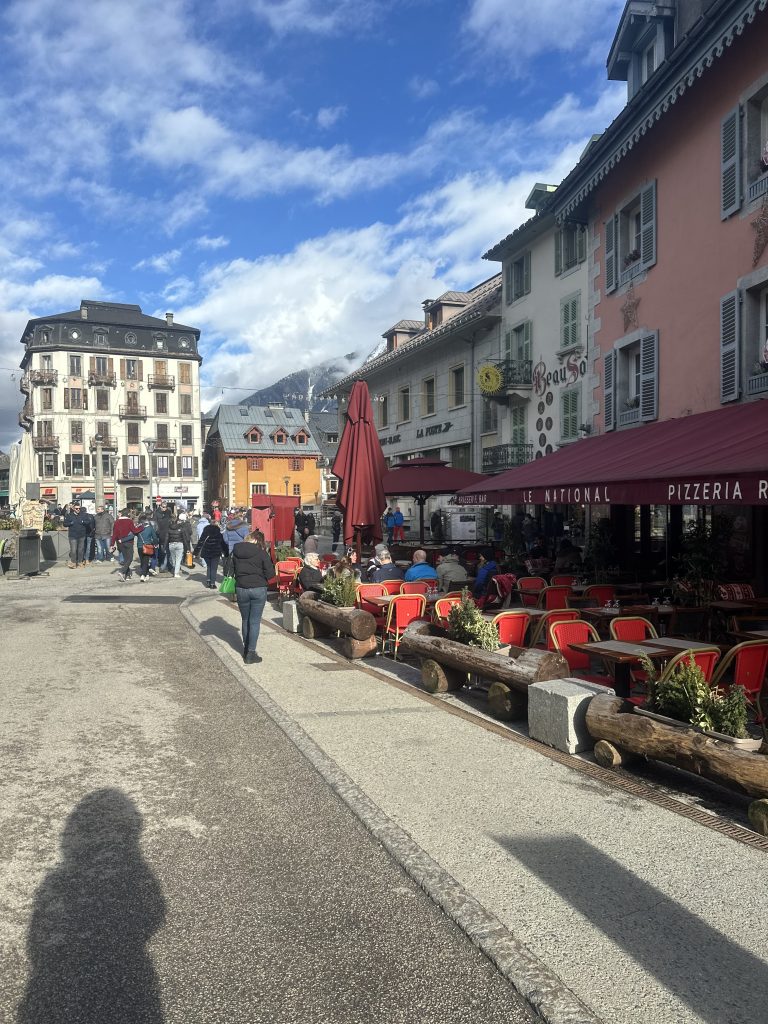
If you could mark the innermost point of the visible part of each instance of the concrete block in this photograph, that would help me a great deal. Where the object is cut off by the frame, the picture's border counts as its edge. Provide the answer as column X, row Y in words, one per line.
column 557, row 710
column 291, row 616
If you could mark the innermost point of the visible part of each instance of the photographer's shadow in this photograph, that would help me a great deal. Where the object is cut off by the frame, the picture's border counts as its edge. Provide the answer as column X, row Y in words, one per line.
column 93, row 917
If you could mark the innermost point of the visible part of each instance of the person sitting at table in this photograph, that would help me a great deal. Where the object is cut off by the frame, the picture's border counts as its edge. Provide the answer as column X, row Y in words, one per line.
column 568, row 556
column 347, row 566
column 310, row 576
column 450, row 571
column 386, row 569
column 486, row 569
column 420, row 569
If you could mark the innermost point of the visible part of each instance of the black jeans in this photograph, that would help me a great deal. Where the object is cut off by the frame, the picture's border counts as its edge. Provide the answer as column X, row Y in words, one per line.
column 212, row 565
column 126, row 550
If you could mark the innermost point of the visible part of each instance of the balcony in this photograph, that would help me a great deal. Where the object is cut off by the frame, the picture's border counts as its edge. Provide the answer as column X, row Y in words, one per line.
column 517, row 374
column 96, row 379
column 132, row 475
column 45, row 442
column 133, row 412
column 757, row 384
column 163, row 381
column 757, row 188
column 108, row 444
column 165, row 444
column 629, row 416
column 47, row 378
column 506, row 456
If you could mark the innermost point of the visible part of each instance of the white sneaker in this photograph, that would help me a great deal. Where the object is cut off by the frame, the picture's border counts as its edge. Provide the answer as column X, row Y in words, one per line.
column 153, row 572
column 142, row 579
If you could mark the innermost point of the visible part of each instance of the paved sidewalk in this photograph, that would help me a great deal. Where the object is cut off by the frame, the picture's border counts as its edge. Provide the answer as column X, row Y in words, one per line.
column 644, row 915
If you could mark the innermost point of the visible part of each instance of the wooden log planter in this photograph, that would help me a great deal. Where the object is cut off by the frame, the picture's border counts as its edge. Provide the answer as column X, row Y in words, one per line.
column 357, row 628
column 621, row 735
column 446, row 663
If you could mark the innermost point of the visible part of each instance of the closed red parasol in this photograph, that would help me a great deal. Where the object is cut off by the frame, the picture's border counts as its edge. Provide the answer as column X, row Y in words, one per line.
column 360, row 466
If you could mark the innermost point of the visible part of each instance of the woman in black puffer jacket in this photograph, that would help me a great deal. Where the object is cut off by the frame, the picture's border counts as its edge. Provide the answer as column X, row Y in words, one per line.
column 212, row 547
column 253, row 570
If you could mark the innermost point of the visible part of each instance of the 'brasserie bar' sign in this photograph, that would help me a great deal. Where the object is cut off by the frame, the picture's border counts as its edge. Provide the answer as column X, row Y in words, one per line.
column 748, row 490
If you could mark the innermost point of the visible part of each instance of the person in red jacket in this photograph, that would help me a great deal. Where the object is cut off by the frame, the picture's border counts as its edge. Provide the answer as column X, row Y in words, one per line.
column 123, row 535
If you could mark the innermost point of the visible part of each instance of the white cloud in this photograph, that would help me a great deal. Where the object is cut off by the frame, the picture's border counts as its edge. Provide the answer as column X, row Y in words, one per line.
column 180, row 290
column 525, row 30
column 316, row 17
column 205, row 242
column 328, row 116
column 423, row 88
column 162, row 263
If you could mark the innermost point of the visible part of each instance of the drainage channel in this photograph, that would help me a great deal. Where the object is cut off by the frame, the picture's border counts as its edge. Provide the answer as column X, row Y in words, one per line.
column 122, row 599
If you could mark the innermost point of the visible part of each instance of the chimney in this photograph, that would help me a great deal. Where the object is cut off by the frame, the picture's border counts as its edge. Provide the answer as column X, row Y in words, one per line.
column 83, row 311
column 169, row 319
column 425, row 306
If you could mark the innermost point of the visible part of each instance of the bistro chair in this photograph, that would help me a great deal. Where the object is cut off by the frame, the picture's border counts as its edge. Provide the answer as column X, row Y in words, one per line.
column 747, row 623
column 551, row 598
column 416, row 587
column 403, row 610
column 602, row 593
column 632, row 629
column 529, row 587
column 564, row 634
column 689, row 623
column 512, row 627
column 443, row 607
column 285, row 572
column 745, row 665
column 364, row 590
column 541, row 628
column 563, row 581
column 452, row 593
column 502, row 591
column 296, row 559
column 705, row 657
column 391, row 586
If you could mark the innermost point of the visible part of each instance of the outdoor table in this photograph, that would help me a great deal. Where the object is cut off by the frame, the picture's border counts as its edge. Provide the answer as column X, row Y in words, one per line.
column 672, row 643
column 383, row 601
column 734, row 607
column 601, row 616
column 621, row 655
column 755, row 634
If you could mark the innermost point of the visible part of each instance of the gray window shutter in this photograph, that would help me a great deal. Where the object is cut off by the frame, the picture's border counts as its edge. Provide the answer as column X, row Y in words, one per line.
column 154, row 465
column 40, row 466
column 581, row 244
column 125, row 466
column 143, row 465
column 730, row 163
column 558, row 252
column 649, row 376
column 195, row 466
column 609, row 390
column 68, row 465
column 648, row 225
column 730, row 347
column 87, row 465
column 611, row 275
column 526, row 273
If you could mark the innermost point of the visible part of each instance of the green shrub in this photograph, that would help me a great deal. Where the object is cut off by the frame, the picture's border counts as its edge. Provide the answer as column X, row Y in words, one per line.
column 466, row 625
column 339, row 590
column 688, row 697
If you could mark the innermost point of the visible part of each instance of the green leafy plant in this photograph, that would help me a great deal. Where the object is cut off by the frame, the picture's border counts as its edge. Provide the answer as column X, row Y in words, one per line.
column 283, row 551
column 339, row 590
column 686, row 696
column 466, row 625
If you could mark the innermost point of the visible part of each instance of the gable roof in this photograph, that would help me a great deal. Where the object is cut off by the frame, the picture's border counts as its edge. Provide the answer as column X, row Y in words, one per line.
column 233, row 422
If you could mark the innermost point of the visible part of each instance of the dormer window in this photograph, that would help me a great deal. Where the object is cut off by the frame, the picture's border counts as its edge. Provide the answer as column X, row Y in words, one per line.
column 644, row 39
column 280, row 437
column 253, row 436
column 301, row 438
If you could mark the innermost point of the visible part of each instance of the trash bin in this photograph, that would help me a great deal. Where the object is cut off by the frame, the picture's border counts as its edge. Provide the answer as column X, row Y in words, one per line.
column 28, row 552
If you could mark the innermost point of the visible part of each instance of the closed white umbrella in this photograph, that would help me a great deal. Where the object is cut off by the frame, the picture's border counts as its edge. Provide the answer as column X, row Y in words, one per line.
column 22, row 471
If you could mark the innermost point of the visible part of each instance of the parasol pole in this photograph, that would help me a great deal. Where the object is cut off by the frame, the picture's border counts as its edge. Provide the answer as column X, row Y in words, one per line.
column 421, row 498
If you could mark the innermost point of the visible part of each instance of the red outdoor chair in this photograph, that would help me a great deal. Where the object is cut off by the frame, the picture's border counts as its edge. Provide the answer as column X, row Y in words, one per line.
column 578, row 632
column 512, row 627
column 501, row 591
column 632, row 629
column 296, row 559
column 403, row 610
column 705, row 657
column 364, row 590
column 443, row 607
column 416, row 587
column 286, row 572
column 529, row 587
column 563, row 581
column 745, row 665
column 541, row 629
column 391, row 586
column 551, row 598
column 601, row 592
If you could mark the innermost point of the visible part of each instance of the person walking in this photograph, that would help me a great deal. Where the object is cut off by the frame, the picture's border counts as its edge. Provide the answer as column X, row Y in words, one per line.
column 123, row 536
column 80, row 526
column 148, row 541
column 201, row 524
column 335, row 529
column 300, row 523
column 235, row 530
column 212, row 547
column 253, row 569
column 162, row 518
column 103, row 526
column 179, row 539
column 399, row 524
column 389, row 524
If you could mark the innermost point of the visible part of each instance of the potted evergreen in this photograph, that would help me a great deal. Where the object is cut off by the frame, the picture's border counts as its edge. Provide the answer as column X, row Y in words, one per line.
column 466, row 625
column 339, row 590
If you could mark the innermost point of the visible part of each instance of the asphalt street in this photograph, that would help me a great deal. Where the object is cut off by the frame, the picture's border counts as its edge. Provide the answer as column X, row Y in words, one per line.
column 168, row 855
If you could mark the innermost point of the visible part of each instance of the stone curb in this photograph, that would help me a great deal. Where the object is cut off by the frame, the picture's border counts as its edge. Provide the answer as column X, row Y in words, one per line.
column 540, row 987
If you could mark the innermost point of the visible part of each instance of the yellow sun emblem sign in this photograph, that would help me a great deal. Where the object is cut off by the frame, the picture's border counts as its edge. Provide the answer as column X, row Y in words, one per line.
column 489, row 379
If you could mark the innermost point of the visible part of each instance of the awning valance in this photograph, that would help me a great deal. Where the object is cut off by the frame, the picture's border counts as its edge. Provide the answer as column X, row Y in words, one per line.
column 712, row 458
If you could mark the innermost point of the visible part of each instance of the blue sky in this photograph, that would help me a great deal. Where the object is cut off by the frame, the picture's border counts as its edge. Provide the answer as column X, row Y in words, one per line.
column 290, row 176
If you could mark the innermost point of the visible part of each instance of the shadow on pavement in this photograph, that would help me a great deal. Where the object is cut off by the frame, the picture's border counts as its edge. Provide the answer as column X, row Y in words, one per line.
column 93, row 917
column 719, row 980
column 223, row 630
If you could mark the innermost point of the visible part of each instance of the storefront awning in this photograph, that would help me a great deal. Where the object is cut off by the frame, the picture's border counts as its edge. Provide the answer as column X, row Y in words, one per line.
column 712, row 458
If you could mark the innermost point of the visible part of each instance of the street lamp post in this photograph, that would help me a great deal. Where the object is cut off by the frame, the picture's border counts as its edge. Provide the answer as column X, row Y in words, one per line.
column 99, row 472
column 149, row 444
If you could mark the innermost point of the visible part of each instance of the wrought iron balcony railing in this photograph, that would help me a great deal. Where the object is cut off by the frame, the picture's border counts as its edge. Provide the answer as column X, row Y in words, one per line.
column 165, row 444
column 133, row 412
column 96, row 379
column 45, row 442
column 166, row 381
column 47, row 378
column 132, row 474
column 506, row 456
column 516, row 373
column 109, row 444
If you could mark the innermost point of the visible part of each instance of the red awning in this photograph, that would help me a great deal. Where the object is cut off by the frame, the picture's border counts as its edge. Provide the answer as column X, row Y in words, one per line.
column 426, row 477
column 713, row 458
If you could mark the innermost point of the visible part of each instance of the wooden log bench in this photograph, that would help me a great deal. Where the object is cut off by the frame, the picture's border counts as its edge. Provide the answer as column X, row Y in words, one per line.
column 621, row 736
column 320, row 620
column 445, row 665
